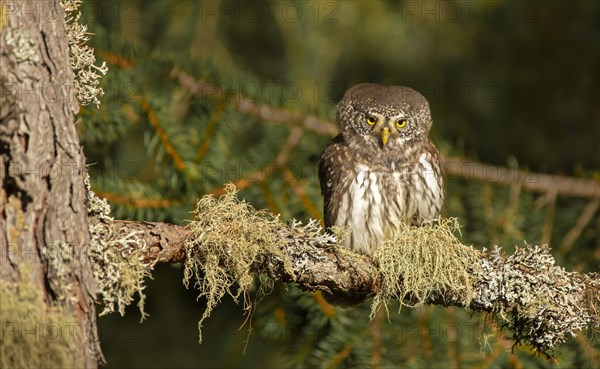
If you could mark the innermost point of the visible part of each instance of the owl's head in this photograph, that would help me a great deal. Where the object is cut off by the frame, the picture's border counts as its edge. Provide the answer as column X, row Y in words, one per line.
column 386, row 116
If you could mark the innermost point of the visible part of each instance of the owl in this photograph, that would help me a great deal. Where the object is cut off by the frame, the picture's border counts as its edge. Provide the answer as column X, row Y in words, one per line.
column 381, row 170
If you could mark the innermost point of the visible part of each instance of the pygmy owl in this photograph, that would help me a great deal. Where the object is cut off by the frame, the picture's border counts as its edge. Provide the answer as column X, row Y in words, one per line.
column 382, row 169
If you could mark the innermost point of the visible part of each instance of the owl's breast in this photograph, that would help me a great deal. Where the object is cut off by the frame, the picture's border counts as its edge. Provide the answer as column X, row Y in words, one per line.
column 377, row 201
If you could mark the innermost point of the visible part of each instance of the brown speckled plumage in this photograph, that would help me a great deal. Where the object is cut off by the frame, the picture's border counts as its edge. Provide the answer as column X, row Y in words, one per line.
column 370, row 183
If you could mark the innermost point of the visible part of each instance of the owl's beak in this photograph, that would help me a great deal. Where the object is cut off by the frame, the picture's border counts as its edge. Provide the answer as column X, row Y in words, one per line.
column 385, row 135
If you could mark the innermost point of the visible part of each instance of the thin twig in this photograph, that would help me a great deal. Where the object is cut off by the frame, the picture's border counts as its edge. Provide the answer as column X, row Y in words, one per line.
column 326, row 308
column 549, row 219
column 268, row 196
column 585, row 217
column 536, row 182
column 263, row 174
column 164, row 138
column 589, row 351
column 245, row 105
column 453, row 355
column 423, row 318
column 508, row 217
column 210, row 130
column 377, row 341
column 472, row 170
column 307, row 203
column 340, row 356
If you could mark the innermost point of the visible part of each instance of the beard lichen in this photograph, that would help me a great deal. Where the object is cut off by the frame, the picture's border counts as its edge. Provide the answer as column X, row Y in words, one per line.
column 538, row 302
column 33, row 335
column 118, row 262
column 228, row 237
column 424, row 261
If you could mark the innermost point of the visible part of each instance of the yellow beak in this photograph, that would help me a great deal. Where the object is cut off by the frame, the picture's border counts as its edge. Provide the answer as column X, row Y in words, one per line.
column 385, row 135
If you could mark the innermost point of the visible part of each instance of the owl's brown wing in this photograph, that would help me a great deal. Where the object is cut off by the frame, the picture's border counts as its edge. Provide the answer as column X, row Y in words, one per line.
column 332, row 173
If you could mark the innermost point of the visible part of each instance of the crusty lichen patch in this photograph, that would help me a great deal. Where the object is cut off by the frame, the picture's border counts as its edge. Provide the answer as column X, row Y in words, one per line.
column 33, row 335
column 538, row 302
column 23, row 48
column 59, row 256
column 228, row 237
column 426, row 260
column 118, row 263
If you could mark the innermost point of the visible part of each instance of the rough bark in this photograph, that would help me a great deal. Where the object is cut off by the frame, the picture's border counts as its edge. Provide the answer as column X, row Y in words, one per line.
column 43, row 216
column 315, row 267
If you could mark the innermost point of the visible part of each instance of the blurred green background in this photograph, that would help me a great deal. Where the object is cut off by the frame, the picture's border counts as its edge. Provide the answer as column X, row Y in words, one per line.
column 509, row 83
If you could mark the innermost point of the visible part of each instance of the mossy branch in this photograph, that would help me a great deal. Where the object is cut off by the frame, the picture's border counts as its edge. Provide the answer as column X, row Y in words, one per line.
column 230, row 242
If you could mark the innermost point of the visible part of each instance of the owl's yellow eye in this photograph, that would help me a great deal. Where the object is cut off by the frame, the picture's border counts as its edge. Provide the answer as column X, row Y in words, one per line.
column 400, row 123
column 371, row 120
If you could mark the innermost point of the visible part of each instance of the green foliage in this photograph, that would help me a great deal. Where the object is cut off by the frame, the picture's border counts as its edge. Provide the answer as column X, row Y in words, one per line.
column 159, row 142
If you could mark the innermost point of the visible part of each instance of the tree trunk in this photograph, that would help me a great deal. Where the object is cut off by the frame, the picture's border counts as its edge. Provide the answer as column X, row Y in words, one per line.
column 43, row 217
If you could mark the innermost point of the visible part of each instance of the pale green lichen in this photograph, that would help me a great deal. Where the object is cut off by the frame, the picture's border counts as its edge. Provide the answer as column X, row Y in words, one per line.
column 33, row 335
column 23, row 47
column 426, row 260
column 83, row 60
column 117, row 257
column 228, row 237
column 59, row 257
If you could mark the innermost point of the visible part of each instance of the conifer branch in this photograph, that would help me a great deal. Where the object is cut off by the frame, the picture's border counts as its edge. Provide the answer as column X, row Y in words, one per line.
column 536, row 182
column 468, row 169
column 262, row 174
column 584, row 218
column 210, row 131
column 164, row 138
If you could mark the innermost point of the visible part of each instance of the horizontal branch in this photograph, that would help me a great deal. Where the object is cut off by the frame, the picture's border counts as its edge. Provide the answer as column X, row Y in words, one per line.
column 320, row 269
column 538, row 302
column 468, row 169
column 245, row 105
column 536, row 182
column 164, row 242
